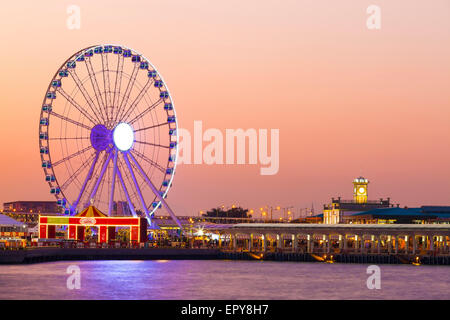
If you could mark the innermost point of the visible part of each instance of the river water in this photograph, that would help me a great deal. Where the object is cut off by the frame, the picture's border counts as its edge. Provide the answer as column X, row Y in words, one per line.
column 215, row 279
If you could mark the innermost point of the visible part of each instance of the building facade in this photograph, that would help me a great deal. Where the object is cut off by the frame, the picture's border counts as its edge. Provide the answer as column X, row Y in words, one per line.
column 396, row 215
column 338, row 209
column 32, row 206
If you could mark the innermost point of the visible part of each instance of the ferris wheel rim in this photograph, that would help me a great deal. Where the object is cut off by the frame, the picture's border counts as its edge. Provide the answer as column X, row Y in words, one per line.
column 51, row 170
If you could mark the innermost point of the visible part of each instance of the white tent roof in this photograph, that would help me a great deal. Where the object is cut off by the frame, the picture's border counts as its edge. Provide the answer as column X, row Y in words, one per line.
column 7, row 221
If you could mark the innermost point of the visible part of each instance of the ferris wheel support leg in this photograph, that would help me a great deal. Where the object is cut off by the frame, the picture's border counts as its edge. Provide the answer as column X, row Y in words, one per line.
column 105, row 165
column 88, row 177
column 155, row 191
column 130, row 204
column 127, row 161
column 113, row 184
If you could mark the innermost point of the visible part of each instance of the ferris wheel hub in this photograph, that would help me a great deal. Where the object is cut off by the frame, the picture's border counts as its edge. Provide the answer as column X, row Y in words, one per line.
column 100, row 137
column 123, row 136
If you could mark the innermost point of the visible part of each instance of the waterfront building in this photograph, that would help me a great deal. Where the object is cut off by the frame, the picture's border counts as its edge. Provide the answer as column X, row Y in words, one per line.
column 27, row 212
column 334, row 212
column 105, row 227
column 360, row 210
column 11, row 228
column 32, row 206
column 405, row 239
column 31, row 219
column 422, row 215
column 12, row 232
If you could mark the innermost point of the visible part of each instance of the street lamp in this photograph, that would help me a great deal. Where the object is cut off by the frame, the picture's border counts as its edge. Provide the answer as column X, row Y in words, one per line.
column 287, row 210
column 271, row 210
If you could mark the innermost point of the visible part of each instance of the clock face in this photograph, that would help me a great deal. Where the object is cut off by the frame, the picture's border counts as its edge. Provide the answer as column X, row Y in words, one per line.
column 361, row 190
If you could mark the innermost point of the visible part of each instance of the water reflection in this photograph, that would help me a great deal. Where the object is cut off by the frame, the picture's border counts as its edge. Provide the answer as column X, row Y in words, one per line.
column 178, row 279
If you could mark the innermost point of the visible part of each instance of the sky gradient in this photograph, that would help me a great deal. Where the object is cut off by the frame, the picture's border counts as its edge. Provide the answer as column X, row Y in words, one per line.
column 347, row 100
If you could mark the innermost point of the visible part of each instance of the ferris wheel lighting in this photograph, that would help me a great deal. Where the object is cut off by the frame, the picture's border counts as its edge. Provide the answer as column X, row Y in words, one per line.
column 123, row 136
column 99, row 131
column 200, row 232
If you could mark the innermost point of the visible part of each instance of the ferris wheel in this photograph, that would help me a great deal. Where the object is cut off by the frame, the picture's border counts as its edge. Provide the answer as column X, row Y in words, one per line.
column 108, row 133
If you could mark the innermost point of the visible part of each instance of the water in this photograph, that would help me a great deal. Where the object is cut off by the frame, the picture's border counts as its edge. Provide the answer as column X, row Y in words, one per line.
column 178, row 279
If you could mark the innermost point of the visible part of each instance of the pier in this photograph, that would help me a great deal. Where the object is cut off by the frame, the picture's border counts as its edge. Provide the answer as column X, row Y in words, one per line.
column 345, row 239
column 36, row 255
column 341, row 243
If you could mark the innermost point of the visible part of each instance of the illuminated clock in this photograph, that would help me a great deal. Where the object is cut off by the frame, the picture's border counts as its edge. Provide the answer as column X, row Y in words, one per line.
column 361, row 190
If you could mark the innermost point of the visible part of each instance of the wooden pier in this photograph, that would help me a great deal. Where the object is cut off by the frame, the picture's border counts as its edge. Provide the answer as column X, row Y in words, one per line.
column 36, row 255
column 343, row 241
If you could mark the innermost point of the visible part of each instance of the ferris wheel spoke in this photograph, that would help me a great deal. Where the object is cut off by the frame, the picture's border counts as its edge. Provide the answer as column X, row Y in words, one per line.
column 137, row 100
column 152, row 144
column 100, row 177
column 153, row 163
column 130, row 204
column 76, row 173
column 127, row 177
column 72, row 177
column 152, row 127
column 75, row 104
column 73, row 155
column 130, row 85
column 136, row 185
column 100, row 188
column 70, row 120
column 70, row 138
column 95, row 86
column 84, row 92
column 143, row 113
column 155, row 191
column 88, row 177
column 118, row 83
column 106, row 82
column 113, row 182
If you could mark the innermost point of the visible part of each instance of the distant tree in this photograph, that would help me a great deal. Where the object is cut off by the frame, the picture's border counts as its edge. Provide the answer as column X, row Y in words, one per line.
column 237, row 212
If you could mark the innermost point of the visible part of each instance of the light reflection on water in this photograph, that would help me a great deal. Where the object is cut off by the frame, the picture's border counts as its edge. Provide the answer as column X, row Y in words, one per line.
column 183, row 279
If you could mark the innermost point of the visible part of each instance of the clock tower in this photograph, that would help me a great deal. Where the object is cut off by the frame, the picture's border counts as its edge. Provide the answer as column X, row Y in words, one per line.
column 360, row 190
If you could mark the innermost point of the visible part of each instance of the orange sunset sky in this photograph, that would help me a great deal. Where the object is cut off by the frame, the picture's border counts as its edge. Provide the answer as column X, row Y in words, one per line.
column 347, row 100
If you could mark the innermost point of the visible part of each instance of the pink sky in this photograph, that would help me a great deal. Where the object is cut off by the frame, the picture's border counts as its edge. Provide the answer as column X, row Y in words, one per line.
column 348, row 101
